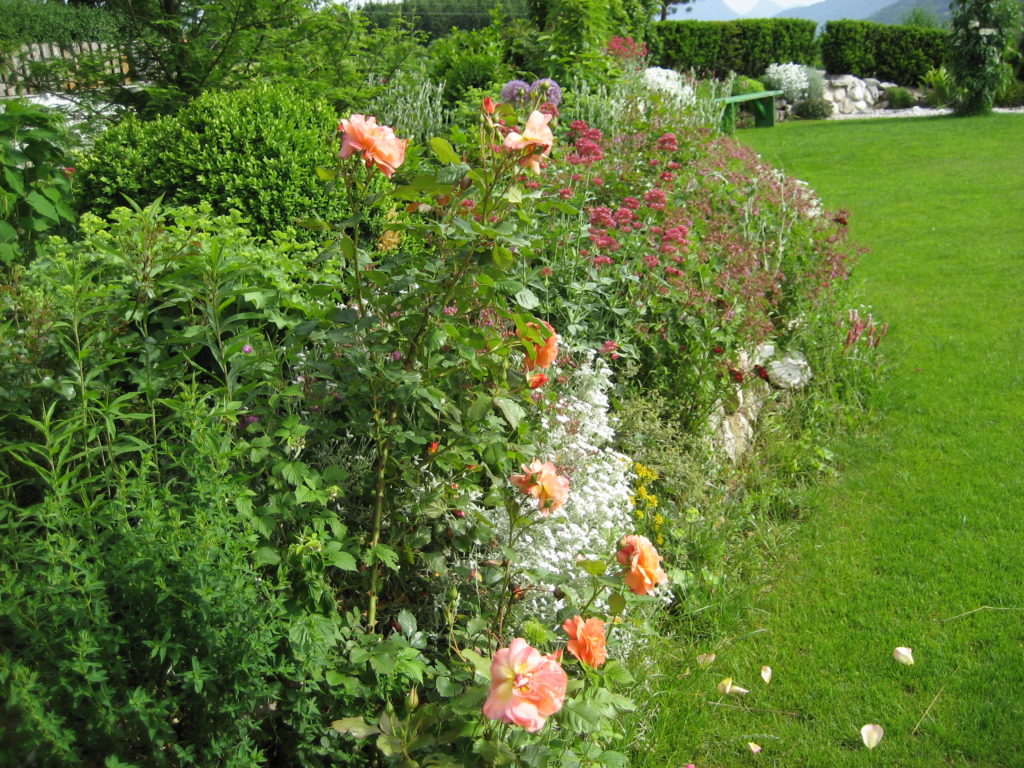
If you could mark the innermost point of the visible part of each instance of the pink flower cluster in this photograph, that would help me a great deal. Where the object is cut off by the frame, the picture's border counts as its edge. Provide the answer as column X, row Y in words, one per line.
column 586, row 144
column 861, row 325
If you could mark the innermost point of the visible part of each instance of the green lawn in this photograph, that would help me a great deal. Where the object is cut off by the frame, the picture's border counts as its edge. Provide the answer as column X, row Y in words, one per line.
column 926, row 522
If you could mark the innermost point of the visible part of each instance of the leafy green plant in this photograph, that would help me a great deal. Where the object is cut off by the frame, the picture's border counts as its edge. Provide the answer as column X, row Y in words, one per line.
column 941, row 90
column 36, row 188
column 813, row 109
column 250, row 150
column 980, row 32
column 899, row 98
column 743, row 85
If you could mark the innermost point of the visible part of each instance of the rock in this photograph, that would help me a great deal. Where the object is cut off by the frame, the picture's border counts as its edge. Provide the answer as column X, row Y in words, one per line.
column 846, row 107
column 843, row 80
column 762, row 353
column 857, row 92
column 791, row 371
column 860, row 106
column 838, row 94
column 871, row 82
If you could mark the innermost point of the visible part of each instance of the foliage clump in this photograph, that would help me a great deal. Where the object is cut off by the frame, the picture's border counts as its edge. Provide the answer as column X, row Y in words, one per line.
column 980, row 32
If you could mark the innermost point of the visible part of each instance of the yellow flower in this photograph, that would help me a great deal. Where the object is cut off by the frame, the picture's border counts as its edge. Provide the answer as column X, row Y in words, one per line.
column 659, row 520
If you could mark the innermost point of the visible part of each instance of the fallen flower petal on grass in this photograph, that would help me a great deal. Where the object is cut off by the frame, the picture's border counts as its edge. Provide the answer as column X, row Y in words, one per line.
column 705, row 660
column 903, row 655
column 726, row 686
column 871, row 734
column 755, row 748
column 766, row 674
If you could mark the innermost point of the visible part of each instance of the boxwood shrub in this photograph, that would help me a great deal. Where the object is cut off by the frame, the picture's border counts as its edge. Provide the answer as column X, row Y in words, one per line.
column 884, row 51
column 746, row 46
column 255, row 150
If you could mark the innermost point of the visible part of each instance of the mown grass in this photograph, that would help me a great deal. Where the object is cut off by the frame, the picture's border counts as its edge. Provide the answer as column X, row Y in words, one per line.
column 919, row 541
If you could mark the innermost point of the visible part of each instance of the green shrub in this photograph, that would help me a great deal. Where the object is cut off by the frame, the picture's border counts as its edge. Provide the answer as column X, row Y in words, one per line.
column 743, row 85
column 35, row 188
column 899, row 98
column 255, row 150
column 746, row 47
column 26, row 21
column 465, row 60
column 981, row 31
column 813, row 109
column 883, row 51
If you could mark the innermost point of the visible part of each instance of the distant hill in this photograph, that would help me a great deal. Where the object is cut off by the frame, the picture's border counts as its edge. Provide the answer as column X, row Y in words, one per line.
column 704, row 10
column 895, row 13
column 765, row 9
column 835, row 9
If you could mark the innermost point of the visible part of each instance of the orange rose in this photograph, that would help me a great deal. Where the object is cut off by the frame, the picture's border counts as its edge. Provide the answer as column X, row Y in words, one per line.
column 536, row 135
column 538, row 380
column 644, row 564
column 542, row 482
column 378, row 143
column 540, row 355
column 586, row 640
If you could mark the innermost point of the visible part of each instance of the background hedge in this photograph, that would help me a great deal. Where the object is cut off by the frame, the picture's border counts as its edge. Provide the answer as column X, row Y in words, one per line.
column 746, row 46
column 26, row 21
column 887, row 52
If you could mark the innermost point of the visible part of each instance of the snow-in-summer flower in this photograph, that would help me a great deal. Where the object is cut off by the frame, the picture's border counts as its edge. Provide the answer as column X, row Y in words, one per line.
column 669, row 83
column 586, row 640
column 377, row 144
column 526, row 687
column 789, row 78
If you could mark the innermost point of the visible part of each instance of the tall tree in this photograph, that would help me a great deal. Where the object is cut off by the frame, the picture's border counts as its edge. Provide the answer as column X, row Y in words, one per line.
column 667, row 5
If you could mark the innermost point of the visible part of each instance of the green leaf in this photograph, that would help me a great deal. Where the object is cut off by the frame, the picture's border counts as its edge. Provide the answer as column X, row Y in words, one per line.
column 527, row 299
column 42, row 206
column 326, row 174
column 616, row 604
column 267, row 556
column 514, row 194
column 444, row 151
column 480, row 408
column 14, row 180
column 610, row 759
column 342, row 561
column 406, row 621
column 512, row 412
column 383, row 554
column 481, row 666
column 452, row 174
column 503, row 258
column 355, row 727
column 593, row 567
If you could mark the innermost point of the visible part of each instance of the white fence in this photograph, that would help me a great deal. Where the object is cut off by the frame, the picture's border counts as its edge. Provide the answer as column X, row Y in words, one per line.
column 15, row 69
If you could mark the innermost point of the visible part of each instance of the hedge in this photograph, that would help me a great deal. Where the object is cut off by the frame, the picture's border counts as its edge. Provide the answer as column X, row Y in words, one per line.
column 26, row 21
column 884, row 51
column 746, row 46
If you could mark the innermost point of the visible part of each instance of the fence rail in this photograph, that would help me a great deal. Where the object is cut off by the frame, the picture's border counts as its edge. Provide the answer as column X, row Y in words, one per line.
column 16, row 68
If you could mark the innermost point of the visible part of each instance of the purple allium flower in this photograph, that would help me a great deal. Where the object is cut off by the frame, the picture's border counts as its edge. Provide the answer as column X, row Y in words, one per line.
column 549, row 88
column 396, row 356
column 515, row 92
column 247, row 349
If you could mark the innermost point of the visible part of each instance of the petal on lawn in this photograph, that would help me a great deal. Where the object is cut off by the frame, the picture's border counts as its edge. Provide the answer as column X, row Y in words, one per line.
column 871, row 734
column 705, row 660
column 766, row 674
column 903, row 655
column 755, row 748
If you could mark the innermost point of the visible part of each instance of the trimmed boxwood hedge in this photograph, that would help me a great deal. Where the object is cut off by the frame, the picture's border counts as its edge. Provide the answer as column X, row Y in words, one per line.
column 29, row 21
column 884, row 51
column 746, row 46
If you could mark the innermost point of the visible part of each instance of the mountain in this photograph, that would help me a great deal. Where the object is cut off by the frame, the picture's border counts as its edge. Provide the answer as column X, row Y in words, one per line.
column 704, row 10
column 765, row 9
column 835, row 9
column 897, row 12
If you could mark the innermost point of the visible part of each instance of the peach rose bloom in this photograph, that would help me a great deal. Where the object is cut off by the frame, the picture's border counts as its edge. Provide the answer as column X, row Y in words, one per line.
column 378, row 143
column 526, row 688
column 644, row 564
column 540, row 355
column 536, row 135
column 586, row 640
column 542, row 482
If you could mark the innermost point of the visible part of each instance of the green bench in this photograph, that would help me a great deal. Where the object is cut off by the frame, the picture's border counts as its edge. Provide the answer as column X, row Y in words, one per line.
column 763, row 103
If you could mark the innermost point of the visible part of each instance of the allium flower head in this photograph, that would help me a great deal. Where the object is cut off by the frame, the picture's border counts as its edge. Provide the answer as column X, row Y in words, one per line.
column 515, row 92
column 550, row 90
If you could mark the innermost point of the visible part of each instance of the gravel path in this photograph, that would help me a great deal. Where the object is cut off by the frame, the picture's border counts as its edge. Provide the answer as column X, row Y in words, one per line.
column 914, row 112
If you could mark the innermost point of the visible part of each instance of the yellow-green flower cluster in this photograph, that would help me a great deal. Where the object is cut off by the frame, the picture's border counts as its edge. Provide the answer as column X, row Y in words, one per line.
column 645, row 503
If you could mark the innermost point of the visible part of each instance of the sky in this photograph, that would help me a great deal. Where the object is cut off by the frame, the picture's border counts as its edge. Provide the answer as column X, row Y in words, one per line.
column 742, row 6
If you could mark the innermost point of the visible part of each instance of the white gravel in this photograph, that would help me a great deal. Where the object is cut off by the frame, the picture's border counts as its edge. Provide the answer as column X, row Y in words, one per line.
column 914, row 112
